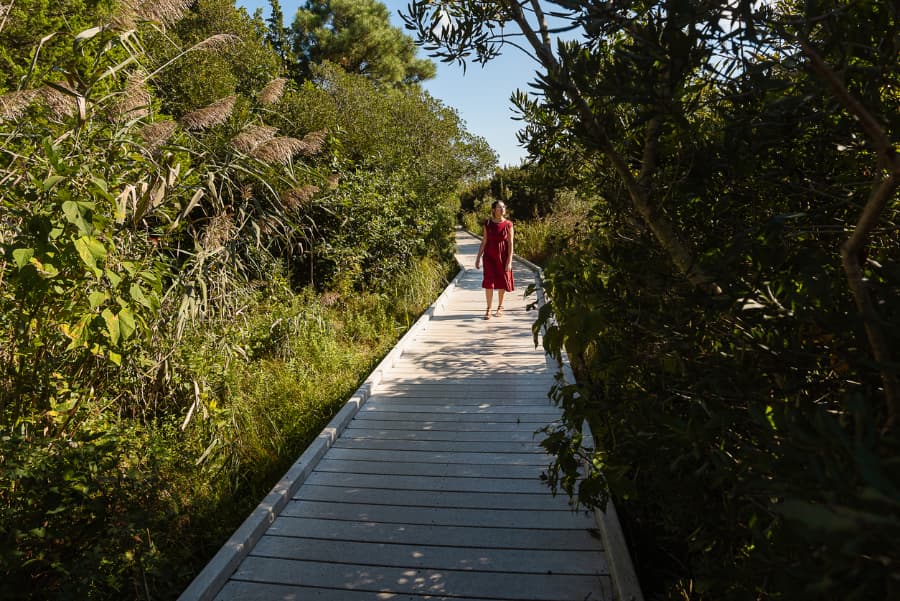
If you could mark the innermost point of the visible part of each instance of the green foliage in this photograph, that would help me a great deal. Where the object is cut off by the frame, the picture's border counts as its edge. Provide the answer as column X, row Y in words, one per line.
column 749, row 437
column 36, row 34
column 159, row 369
column 356, row 35
column 241, row 63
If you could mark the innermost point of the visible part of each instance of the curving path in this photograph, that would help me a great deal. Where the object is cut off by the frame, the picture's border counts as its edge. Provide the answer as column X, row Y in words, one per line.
column 428, row 486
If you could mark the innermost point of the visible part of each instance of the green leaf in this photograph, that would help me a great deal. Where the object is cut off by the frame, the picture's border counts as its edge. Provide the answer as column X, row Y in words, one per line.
column 817, row 517
column 115, row 358
column 137, row 295
column 73, row 214
column 22, row 256
column 52, row 181
column 101, row 187
column 112, row 325
column 90, row 249
column 97, row 298
column 53, row 156
column 114, row 278
column 45, row 270
column 126, row 323
column 76, row 332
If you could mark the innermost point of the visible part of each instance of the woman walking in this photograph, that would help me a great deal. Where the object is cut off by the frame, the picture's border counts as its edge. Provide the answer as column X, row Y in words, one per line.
column 497, row 250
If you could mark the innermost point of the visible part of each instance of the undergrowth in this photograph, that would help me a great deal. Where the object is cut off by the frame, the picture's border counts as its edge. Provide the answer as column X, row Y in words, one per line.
column 122, row 509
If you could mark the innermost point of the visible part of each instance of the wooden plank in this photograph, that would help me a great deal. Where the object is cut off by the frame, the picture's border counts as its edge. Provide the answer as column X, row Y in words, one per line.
column 405, row 482
column 459, row 393
column 464, row 389
column 370, row 424
column 426, row 498
column 434, row 557
column 361, row 432
column 434, row 416
column 262, row 591
column 445, row 470
column 381, row 406
column 438, row 457
column 495, row 518
column 439, row 445
column 483, row 401
column 377, row 579
column 586, row 539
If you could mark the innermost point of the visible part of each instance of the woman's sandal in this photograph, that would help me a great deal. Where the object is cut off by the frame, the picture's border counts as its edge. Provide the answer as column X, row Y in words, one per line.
column 487, row 314
column 499, row 311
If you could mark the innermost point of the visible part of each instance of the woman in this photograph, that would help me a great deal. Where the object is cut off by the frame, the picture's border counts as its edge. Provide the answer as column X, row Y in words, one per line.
column 497, row 250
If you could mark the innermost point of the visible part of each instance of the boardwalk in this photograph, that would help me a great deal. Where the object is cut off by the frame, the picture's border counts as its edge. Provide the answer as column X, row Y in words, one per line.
column 432, row 490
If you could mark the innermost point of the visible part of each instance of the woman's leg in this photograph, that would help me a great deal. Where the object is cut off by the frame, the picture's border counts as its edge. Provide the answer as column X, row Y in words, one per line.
column 489, row 298
column 500, row 294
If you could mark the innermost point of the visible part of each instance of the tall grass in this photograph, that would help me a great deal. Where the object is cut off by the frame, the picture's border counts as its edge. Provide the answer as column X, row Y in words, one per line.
column 130, row 510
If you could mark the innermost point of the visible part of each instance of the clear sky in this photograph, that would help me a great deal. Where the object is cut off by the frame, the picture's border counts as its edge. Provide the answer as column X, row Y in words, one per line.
column 481, row 95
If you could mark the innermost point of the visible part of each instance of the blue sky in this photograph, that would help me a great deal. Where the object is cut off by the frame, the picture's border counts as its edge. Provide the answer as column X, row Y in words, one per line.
column 481, row 95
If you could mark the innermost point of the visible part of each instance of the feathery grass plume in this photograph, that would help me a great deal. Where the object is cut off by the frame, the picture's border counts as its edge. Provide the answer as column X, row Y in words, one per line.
column 219, row 40
column 214, row 114
column 13, row 104
column 135, row 100
column 219, row 231
column 252, row 137
column 272, row 91
column 165, row 12
column 297, row 197
column 278, row 150
column 156, row 134
column 61, row 105
column 313, row 142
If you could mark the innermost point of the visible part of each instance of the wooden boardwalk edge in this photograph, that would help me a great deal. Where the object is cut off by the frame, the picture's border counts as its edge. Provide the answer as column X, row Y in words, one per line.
column 214, row 576
column 209, row 582
column 625, row 582
column 626, row 586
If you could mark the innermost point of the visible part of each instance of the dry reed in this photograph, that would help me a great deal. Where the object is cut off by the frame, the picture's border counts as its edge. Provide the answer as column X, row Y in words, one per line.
column 220, row 230
column 61, row 104
column 219, row 40
column 313, row 142
column 156, row 134
column 252, row 137
column 13, row 104
column 135, row 101
column 210, row 116
column 273, row 90
column 297, row 197
column 278, row 150
column 164, row 12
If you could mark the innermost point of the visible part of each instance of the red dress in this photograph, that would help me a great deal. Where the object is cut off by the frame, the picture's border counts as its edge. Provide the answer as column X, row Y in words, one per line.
column 496, row 255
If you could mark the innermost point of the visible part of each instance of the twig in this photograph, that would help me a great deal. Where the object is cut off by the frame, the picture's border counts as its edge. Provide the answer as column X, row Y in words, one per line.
column 851, row 249
column 7, row 9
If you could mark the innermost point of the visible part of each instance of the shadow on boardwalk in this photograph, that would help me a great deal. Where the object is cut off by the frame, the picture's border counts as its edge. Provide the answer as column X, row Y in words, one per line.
column 427, row 485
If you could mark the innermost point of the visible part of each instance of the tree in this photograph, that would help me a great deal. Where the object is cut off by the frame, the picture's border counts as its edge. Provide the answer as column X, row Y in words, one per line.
column 357, row 36
column 278, row 36
column 748, row 437
column 455, row 30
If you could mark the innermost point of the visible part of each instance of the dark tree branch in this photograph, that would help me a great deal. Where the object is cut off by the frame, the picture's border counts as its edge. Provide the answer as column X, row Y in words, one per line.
column 885, row 185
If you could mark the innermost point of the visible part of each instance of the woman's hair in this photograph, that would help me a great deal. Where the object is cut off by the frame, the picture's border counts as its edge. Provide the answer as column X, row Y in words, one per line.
column 495, row 203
